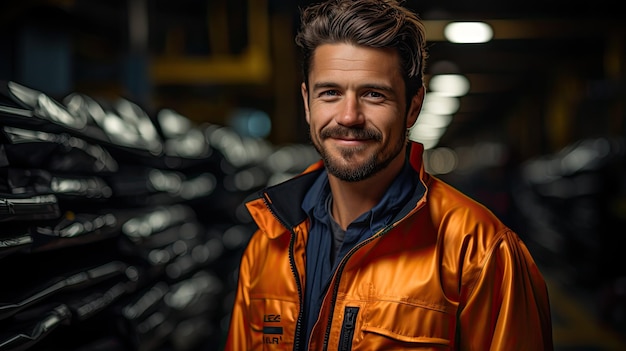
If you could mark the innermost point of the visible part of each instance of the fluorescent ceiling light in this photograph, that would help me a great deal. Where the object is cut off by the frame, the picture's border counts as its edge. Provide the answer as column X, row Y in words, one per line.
column 438, row 104
column 423, row 132
column 434, row 121
column 449, row 84
column 468, row 32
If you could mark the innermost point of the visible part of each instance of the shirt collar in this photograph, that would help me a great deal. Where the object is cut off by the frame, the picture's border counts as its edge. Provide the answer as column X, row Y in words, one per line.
column 399, row 192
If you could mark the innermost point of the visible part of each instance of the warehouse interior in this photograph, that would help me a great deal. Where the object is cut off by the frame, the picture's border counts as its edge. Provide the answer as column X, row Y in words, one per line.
column 132, row 130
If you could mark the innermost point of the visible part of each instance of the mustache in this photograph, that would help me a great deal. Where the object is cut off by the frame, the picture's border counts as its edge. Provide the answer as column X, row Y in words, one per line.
column 350, row 133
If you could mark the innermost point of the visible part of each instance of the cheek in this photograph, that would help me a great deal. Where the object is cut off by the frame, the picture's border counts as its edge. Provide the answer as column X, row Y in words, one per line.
column 319, row 117
column 315, row 125
column 394, row 129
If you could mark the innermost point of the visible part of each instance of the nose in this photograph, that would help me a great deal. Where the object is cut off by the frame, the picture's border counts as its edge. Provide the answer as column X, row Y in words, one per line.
column 350, row 114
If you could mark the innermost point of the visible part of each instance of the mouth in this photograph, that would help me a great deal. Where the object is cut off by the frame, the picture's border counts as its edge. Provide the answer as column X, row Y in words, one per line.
column 348, row 142
column 350, row 135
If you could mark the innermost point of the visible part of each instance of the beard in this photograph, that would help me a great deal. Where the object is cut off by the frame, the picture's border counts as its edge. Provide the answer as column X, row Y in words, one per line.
column 344, row 166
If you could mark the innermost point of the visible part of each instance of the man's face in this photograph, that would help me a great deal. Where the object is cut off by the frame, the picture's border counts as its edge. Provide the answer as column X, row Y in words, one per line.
column 356, row 109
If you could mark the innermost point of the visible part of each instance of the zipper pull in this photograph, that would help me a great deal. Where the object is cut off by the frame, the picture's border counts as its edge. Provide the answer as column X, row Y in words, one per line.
column 347, row 328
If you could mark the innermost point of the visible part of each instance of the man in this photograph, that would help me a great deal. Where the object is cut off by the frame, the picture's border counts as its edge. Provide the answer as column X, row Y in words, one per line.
column 365, row 250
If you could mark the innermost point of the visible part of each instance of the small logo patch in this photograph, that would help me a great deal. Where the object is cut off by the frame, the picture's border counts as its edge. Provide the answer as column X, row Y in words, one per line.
column 269, row 332
column 272, row 340
column 272, row 330
column 272, row 318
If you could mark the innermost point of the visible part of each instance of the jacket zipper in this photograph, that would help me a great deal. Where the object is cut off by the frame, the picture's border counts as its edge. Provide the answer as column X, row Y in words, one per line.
column 347, row 329
column 292, row 264
column 296, row 343
column 338, row 277
column 343, row 263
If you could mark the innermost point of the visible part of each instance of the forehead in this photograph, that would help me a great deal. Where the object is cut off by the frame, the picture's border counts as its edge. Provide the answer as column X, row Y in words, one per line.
column 332, row 60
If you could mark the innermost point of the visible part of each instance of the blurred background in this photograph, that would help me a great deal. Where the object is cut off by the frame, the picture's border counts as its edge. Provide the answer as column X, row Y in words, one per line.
column 133, row 129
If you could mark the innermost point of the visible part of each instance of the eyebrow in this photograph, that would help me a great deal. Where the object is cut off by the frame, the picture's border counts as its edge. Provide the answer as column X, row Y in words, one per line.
column 323, row 85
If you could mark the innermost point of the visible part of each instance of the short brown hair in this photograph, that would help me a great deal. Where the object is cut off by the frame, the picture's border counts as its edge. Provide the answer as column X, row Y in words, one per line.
column 371, row 23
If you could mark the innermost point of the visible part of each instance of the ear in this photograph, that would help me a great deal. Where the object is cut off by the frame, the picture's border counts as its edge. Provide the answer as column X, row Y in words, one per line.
column 305, row 100
column 415, row 108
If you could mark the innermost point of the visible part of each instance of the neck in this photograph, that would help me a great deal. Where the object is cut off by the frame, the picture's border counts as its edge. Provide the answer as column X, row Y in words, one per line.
column 351, row 199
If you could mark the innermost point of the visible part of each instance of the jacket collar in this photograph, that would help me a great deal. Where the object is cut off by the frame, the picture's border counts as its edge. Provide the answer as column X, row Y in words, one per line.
column 284, row 200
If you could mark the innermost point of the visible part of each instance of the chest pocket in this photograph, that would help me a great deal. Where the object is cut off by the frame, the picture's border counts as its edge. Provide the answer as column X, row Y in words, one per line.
column 394, row 325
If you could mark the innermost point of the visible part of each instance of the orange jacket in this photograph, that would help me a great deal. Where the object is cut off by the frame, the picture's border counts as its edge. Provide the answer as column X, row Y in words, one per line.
column 447, row 276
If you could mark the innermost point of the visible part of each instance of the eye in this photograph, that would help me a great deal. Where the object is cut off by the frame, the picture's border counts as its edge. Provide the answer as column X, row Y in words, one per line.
column 375, row 95
column 329, row 93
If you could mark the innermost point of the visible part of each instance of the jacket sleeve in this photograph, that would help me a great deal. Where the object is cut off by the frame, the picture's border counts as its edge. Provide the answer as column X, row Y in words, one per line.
column 506, row 305
column 236, row 338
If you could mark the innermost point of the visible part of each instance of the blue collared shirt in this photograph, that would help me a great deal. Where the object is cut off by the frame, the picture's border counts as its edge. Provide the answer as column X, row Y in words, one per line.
column 320, row 265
